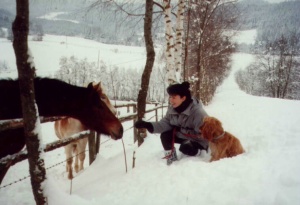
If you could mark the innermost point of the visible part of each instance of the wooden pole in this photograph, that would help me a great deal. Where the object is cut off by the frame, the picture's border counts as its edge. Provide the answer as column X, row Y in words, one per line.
column 135, row 131
column 98, row 141
column 92, row 147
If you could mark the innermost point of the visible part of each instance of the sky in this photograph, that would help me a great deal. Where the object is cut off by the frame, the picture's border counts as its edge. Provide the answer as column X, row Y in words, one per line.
column 266, row 174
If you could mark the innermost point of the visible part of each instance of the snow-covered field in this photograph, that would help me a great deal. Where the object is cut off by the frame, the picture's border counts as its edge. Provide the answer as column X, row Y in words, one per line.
column 48, row 52
column 247, row 37
column 54, row 16
column 267, row 174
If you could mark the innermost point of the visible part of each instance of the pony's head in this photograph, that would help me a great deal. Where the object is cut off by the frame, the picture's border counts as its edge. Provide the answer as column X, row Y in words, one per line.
column 99, row 118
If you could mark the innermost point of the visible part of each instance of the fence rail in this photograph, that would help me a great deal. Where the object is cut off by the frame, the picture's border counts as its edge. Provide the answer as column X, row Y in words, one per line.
column 17, row 123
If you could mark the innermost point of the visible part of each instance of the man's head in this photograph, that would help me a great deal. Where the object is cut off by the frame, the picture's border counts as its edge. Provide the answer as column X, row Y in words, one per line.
column 179, row 93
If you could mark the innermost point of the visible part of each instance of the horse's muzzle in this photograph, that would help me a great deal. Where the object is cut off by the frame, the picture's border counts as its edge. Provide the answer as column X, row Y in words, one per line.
column 117, row 134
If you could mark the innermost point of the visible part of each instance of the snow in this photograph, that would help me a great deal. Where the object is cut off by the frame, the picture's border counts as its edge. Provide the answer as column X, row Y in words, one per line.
column 48, row 52
column 267, row 174
column 30, row 59
column 247, row 37
column 53, row 16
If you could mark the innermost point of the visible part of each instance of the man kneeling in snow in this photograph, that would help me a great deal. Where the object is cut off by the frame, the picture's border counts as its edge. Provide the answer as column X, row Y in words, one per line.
column 180, row 124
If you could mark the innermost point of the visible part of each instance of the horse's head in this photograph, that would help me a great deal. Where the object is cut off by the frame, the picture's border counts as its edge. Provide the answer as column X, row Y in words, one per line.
column 102, row 94
column 97, row 116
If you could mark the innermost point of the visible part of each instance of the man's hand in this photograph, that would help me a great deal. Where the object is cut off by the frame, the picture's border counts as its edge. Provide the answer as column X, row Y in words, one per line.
column 142, row 124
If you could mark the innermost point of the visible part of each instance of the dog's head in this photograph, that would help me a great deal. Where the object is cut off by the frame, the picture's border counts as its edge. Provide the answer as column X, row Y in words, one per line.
column 211, row 128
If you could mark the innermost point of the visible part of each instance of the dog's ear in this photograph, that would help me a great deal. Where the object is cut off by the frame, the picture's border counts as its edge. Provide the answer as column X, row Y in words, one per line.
column 207, row 129
column 211, row 128
column 218, row 126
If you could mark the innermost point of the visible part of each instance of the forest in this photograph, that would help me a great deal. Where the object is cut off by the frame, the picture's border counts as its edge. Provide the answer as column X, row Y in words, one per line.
column 275, row 72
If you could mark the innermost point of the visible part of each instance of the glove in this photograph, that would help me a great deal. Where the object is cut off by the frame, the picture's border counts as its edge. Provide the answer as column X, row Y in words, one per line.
column 142, row 124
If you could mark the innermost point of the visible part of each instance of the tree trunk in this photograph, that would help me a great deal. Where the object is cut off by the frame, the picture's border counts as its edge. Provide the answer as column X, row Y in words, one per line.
column 141, row 105
column 174, row 50
column 92, row 146
column 26, row 73
column 171, row 76
column 185, row 62
column 179, row 39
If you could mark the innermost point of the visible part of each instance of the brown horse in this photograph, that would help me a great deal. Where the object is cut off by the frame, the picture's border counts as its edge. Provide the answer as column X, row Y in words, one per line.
column 55, row 98
column 69, row 126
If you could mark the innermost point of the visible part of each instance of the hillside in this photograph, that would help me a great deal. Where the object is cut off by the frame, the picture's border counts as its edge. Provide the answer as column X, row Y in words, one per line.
column 47, row 54
column 76, row 18
column 108, row 25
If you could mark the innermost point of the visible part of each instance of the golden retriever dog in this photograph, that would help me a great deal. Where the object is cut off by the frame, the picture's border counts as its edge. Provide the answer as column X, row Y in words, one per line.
column 222, row 144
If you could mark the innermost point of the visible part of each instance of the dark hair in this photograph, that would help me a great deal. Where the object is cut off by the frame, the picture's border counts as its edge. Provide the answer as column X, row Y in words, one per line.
column 180, row 89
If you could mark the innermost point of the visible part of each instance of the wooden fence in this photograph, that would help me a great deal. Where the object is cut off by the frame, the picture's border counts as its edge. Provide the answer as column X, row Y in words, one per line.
column 94, row 139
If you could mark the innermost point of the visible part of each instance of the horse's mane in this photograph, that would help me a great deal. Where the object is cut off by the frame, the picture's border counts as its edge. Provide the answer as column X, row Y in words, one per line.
column 44, row 87
column 49, row 92
column 38, row 81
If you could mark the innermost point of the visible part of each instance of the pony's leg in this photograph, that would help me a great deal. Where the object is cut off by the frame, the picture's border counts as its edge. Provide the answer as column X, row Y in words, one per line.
column 76, row 151
column 68, row 151
column 82, row 145
column 81, row 159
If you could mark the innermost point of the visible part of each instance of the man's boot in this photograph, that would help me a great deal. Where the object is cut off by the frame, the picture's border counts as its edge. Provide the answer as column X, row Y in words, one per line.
column 171, row 156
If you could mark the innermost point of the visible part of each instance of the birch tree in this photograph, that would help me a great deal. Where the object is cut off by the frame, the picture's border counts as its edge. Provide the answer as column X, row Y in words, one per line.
column 170, row 69
column 179, row 39
column 173, row 51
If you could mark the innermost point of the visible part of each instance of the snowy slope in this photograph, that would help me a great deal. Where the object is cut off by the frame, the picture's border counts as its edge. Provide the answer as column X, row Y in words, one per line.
column 267, row 174
column 48, row 52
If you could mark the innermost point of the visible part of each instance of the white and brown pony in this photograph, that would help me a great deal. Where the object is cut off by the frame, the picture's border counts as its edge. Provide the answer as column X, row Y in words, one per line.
column 69, row 126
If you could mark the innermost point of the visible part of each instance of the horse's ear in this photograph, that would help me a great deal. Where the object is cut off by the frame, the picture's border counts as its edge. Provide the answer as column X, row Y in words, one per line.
column 90, row 86
column 97, row 86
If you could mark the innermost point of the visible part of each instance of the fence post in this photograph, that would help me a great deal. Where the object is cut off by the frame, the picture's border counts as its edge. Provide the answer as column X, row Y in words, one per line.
column 128, row 108
column 134, row 108
column 98, row 140
column 92, row 146
column 135, row 133
column 3, row 170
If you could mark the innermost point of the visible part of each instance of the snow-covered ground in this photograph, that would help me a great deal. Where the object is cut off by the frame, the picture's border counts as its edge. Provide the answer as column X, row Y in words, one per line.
column 54, row 16
column 247, row 37
column 47, row 54
column 267, row 174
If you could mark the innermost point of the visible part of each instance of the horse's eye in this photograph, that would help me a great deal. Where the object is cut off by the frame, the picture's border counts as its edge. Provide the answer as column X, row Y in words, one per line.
column 103, row 97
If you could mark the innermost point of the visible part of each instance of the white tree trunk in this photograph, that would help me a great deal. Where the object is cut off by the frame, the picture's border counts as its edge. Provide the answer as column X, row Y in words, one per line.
column 174, row 51
column 170, row 68
column 179, row 39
